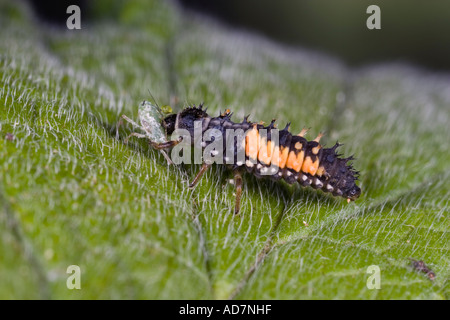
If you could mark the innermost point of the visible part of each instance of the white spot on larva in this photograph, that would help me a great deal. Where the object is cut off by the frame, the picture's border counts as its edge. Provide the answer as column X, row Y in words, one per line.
column 258, row 166
column 226, row 159
column 249, row 164
column 304, row 177
column 203, row 144
column 329, row 187
column 289, row 173
column 318, row 183
column 280, row 173
column 239, row 163
column 214, row 152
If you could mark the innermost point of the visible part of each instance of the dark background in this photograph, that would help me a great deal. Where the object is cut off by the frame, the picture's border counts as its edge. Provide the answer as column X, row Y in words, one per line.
column 412, row 31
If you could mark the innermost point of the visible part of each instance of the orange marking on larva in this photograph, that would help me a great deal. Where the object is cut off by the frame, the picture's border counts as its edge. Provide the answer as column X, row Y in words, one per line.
column 315, row 150
column 294, row 161
column 306, row 164
column 282, row 156
column 303, row 132
column 252, row 143
column 309, row 166
column 319, row 136
column 276, row 155
column 300, row 158
column 291, row 159
column 320, row 171
column 265, row 151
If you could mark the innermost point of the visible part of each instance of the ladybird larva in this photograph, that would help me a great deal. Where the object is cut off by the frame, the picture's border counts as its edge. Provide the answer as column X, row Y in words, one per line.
column 277, row 154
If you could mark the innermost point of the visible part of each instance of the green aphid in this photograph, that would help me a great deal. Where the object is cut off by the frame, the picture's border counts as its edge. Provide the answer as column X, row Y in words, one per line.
column 151, row 117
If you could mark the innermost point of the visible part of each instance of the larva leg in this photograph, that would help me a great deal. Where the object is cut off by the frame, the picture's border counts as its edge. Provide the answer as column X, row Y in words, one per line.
column 238, row 183
column 197, row 178
column 165, row 145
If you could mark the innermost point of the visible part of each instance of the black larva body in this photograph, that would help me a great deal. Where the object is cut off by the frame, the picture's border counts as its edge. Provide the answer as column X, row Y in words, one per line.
column 320, row 168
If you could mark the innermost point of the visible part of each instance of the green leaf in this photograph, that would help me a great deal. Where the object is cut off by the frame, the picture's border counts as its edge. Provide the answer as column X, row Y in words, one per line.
column 71, row 193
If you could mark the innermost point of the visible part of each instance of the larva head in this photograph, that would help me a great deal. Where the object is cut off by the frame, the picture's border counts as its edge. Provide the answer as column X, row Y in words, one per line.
column 342, row 176
column 184, row 120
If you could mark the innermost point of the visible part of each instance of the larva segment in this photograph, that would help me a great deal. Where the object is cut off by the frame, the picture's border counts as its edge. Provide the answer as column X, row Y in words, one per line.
column 282, row 157
column 252, row 143
column 296, row 155
column 310, row 166
column 295, row 160
column 265, row 151
column 279, row 157
column 282, row 151
column 320, row 171
column 268, row 153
